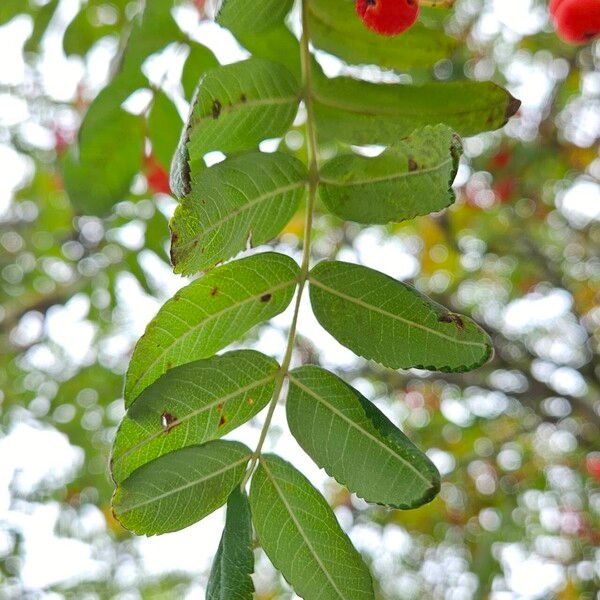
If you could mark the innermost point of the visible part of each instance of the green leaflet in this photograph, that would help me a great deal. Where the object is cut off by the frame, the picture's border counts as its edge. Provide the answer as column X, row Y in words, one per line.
column 109, row 132
column 335, row 28
column 180, row 488
column 355, row 443
column 209, row 314
column 359, row 112
column 241, row 16
column 199, row 60
column 301, row 536
column 388, row 321
column 93, row 183
column 412, row 178
column 84, row 31
column 234, row 562
column 244, row 201
column 192, row 404
column 278, row 44
column 164, row 125
column 235, row 107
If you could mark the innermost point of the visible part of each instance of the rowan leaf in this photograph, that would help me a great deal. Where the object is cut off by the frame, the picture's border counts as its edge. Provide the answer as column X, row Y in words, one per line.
column 178, row 489
column 277, row 44
column 412, row 178
column 235, row 107
column 360, row 112
column 241, row 16
column 301, row 536
column 234, row 562
column 192, row 404
column 354, row 442
column 210, row 313
column 390, row 322
column 244, row 201
column 335, row 28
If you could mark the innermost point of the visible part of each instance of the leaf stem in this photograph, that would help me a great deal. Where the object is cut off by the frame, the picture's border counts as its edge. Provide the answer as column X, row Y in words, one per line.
column 313, row 181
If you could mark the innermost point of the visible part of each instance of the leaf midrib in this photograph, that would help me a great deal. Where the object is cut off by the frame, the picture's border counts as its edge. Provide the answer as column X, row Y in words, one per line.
column 393, row 176
column 393, row 111
column 241, row 209
column 358, row 428
column 230, row 108
column 222, row 400
column 176, row 490
column 300, row 529
column 386, row 313
column 191, row 330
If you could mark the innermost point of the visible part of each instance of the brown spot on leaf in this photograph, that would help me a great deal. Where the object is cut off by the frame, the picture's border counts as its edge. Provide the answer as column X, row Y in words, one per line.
column 169, row 365
column 168, row 421
column 222, row 420
column 514, row 104
column 250, row 401
column 220, row 407
column 412, row 164
column 243, row 98
column 452, row 318
column 266, row 297
column 214, row 291
column 216, row 109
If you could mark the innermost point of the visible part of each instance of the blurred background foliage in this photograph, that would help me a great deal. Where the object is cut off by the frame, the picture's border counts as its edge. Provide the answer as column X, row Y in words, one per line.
column 517, row 441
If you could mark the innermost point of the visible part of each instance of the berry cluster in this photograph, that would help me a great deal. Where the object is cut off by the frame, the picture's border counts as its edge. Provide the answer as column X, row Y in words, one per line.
column 576, row 21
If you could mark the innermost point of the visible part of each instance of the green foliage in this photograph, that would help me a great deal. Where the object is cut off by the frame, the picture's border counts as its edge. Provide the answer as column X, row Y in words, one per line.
column 299, row 533
column 190, row 404
column 164, row 126
column 234, row 560
column 235, row 108
column 180, row 488
column 393, row 323
column 360, row 112
column 412, row 178
column 209, row 314
column 170, row 467
column 335, row 29
column 510, row 442
column 355, row 443
column 240, row 16
column 242, row 202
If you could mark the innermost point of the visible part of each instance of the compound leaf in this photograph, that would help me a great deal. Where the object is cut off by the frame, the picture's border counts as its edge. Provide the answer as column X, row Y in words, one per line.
column 335, row 28
column 234, row 562
column 235, row 107
column 390, row 322
column 360, row 112
column 244, row 201
column 192, row 404
column 180, row 488
column 209, row 314
column 301, row 536
column 355, row 443
column 412, row 178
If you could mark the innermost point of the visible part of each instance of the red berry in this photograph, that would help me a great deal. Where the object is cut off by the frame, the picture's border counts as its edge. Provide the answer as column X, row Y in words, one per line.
column 577, row 21
column 388, row 17
column 554, row 4
column 158, row 179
